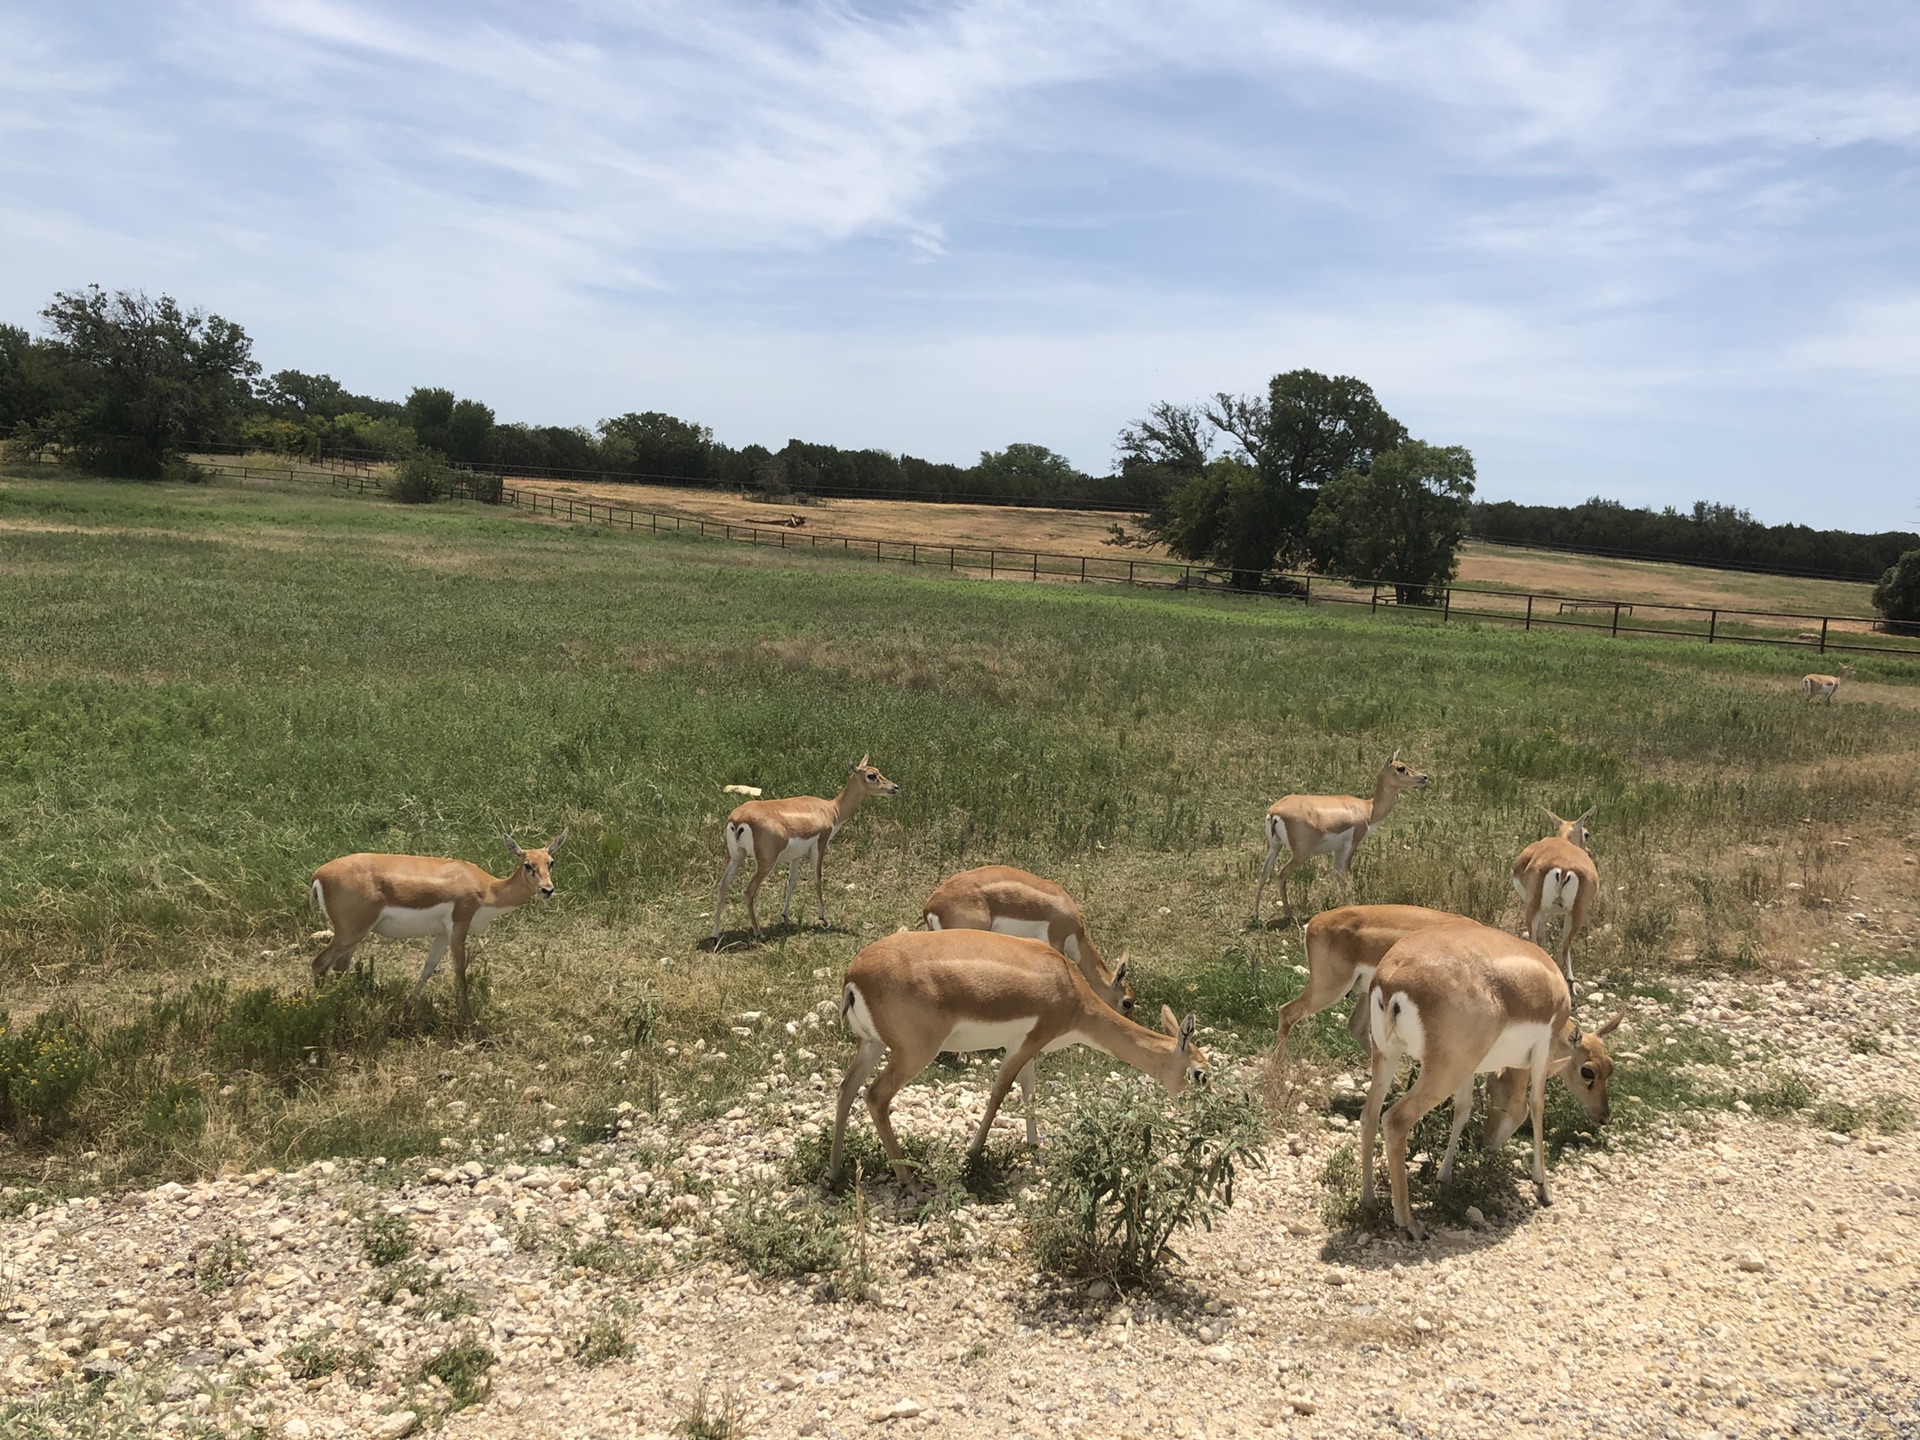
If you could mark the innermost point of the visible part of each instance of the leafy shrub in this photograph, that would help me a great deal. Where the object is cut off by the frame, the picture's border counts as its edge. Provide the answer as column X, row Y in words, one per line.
column 421, row 479
column 603, row 1340
column 1131, row 1169
column 790, row 1235
column 388, row 1239
column 487, row 489
column 223, row 1265
column 1781, row 1096
column 43, row 1069
column 461, row 1367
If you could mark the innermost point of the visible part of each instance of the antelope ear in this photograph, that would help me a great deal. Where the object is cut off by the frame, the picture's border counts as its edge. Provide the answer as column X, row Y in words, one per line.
column 1120, row 970
column 863, row 760
column 1169, row 1022
column 1611, row 1025
column 553, row 845
column 1393, row 757
column 1187, row 1027
column 513, row 847
column 1574, row 1035
column 1551, row 816
column 1586, row 815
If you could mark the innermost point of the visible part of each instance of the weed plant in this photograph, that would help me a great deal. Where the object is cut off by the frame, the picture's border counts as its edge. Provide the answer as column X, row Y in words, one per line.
column 1130, row 1169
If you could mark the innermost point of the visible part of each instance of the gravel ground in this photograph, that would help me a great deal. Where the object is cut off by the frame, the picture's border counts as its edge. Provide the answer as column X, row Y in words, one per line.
column 1729, row 1276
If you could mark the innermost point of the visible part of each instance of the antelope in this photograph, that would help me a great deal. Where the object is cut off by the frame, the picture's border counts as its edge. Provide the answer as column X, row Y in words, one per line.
column 405, row 897
column 918, row 993
column 792, row 830
column 1556, row 876
column 1311, row 825
column 1824, row 685
column 1462, row 1000
column 1344, row 948
column 1012, row 902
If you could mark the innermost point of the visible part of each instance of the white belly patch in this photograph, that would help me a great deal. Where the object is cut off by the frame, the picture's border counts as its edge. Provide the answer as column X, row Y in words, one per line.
column 398, row 923
column 988, row 1034
column 1026, row 929
column 796, row 849
column 1516, row 1046
column 1333, row 840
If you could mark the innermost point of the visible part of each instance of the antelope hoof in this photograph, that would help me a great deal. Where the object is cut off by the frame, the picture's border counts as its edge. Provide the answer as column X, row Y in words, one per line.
column 1540, row 1194
column 1414, row 1228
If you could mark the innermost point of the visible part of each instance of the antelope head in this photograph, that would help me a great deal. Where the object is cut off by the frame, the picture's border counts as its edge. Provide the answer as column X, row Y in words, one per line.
column 1573, row 830
column 870, row 778
column 1184, row 1065
column 1399, row 775
column 1120, row 993
column 1590, row 1069
column 536, row 866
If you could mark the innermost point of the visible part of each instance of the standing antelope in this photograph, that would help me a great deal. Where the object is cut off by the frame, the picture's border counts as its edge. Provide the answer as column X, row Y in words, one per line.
column 1824, row 685
column 1553, row 877
column 1013, row 902
column 1311, row 825
column 792, row 830
column 916, row 994
column 1462, row 1000
column 405, row 897
column 1344, row 948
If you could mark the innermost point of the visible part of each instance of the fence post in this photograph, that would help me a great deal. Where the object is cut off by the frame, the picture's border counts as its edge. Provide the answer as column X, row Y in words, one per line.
column 949, row 559
column 1529, row 612
column 1616, row 617
column 1713, row 625
column 1130, row 572
column 1083, row 569
column 1036, row 564
column 1823, row 634
column 916, row 552
column 1446, row 604
column 1373, row 605
column 989, row 564
column 1306, row 591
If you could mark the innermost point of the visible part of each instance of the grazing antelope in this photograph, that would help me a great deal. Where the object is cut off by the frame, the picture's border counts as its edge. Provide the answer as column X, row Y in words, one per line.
column 405, row 897
column 1824, row 685
column 1344, row 948
column 1013, row 902
column 1462, row 1000
column 1556, row 877
column 792, row 830
column 1311, row 825
column 916, row 994
column 1587, row 1071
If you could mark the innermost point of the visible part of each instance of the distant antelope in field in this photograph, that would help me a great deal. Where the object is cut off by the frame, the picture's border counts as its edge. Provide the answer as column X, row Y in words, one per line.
column 1556, row 878
column 1013, row 902
column 1344, row 948
column 1461, row 1000
column 1310, row 825
column 916, row 994
column 792, row 830
column 407, row 897
column 1824, row 685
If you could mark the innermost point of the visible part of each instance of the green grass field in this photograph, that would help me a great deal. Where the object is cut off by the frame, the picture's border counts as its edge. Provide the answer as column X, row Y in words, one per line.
column 211, row 690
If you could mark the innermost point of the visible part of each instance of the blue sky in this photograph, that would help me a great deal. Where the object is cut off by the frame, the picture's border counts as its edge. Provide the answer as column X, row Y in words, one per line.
column 1661, row 252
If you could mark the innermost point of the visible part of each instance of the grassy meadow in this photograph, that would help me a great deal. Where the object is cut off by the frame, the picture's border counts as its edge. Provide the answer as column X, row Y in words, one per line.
column 210, row 690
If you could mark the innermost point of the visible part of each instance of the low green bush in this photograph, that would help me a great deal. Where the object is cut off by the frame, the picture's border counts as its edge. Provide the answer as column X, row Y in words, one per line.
column 421, row 479
column 43, row 1068
column 1131, row 1169
column 784, row 1234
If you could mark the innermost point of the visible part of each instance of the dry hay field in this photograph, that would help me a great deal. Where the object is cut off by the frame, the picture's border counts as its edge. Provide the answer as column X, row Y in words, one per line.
column 1074, row 532
column 231, row 1205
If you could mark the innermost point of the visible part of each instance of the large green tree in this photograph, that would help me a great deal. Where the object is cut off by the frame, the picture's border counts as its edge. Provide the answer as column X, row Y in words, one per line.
column 1026, row 471
column 649, row 442
column 1897, row 596
column 1252, row 515
column 1402, row 520
column 148, row 379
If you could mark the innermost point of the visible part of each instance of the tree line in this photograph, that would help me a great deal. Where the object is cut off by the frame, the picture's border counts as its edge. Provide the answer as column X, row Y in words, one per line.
column 128, row 385
column 1313, row 474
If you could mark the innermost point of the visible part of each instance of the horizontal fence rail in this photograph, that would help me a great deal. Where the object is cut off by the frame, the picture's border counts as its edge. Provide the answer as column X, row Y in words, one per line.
column 1820, row 634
